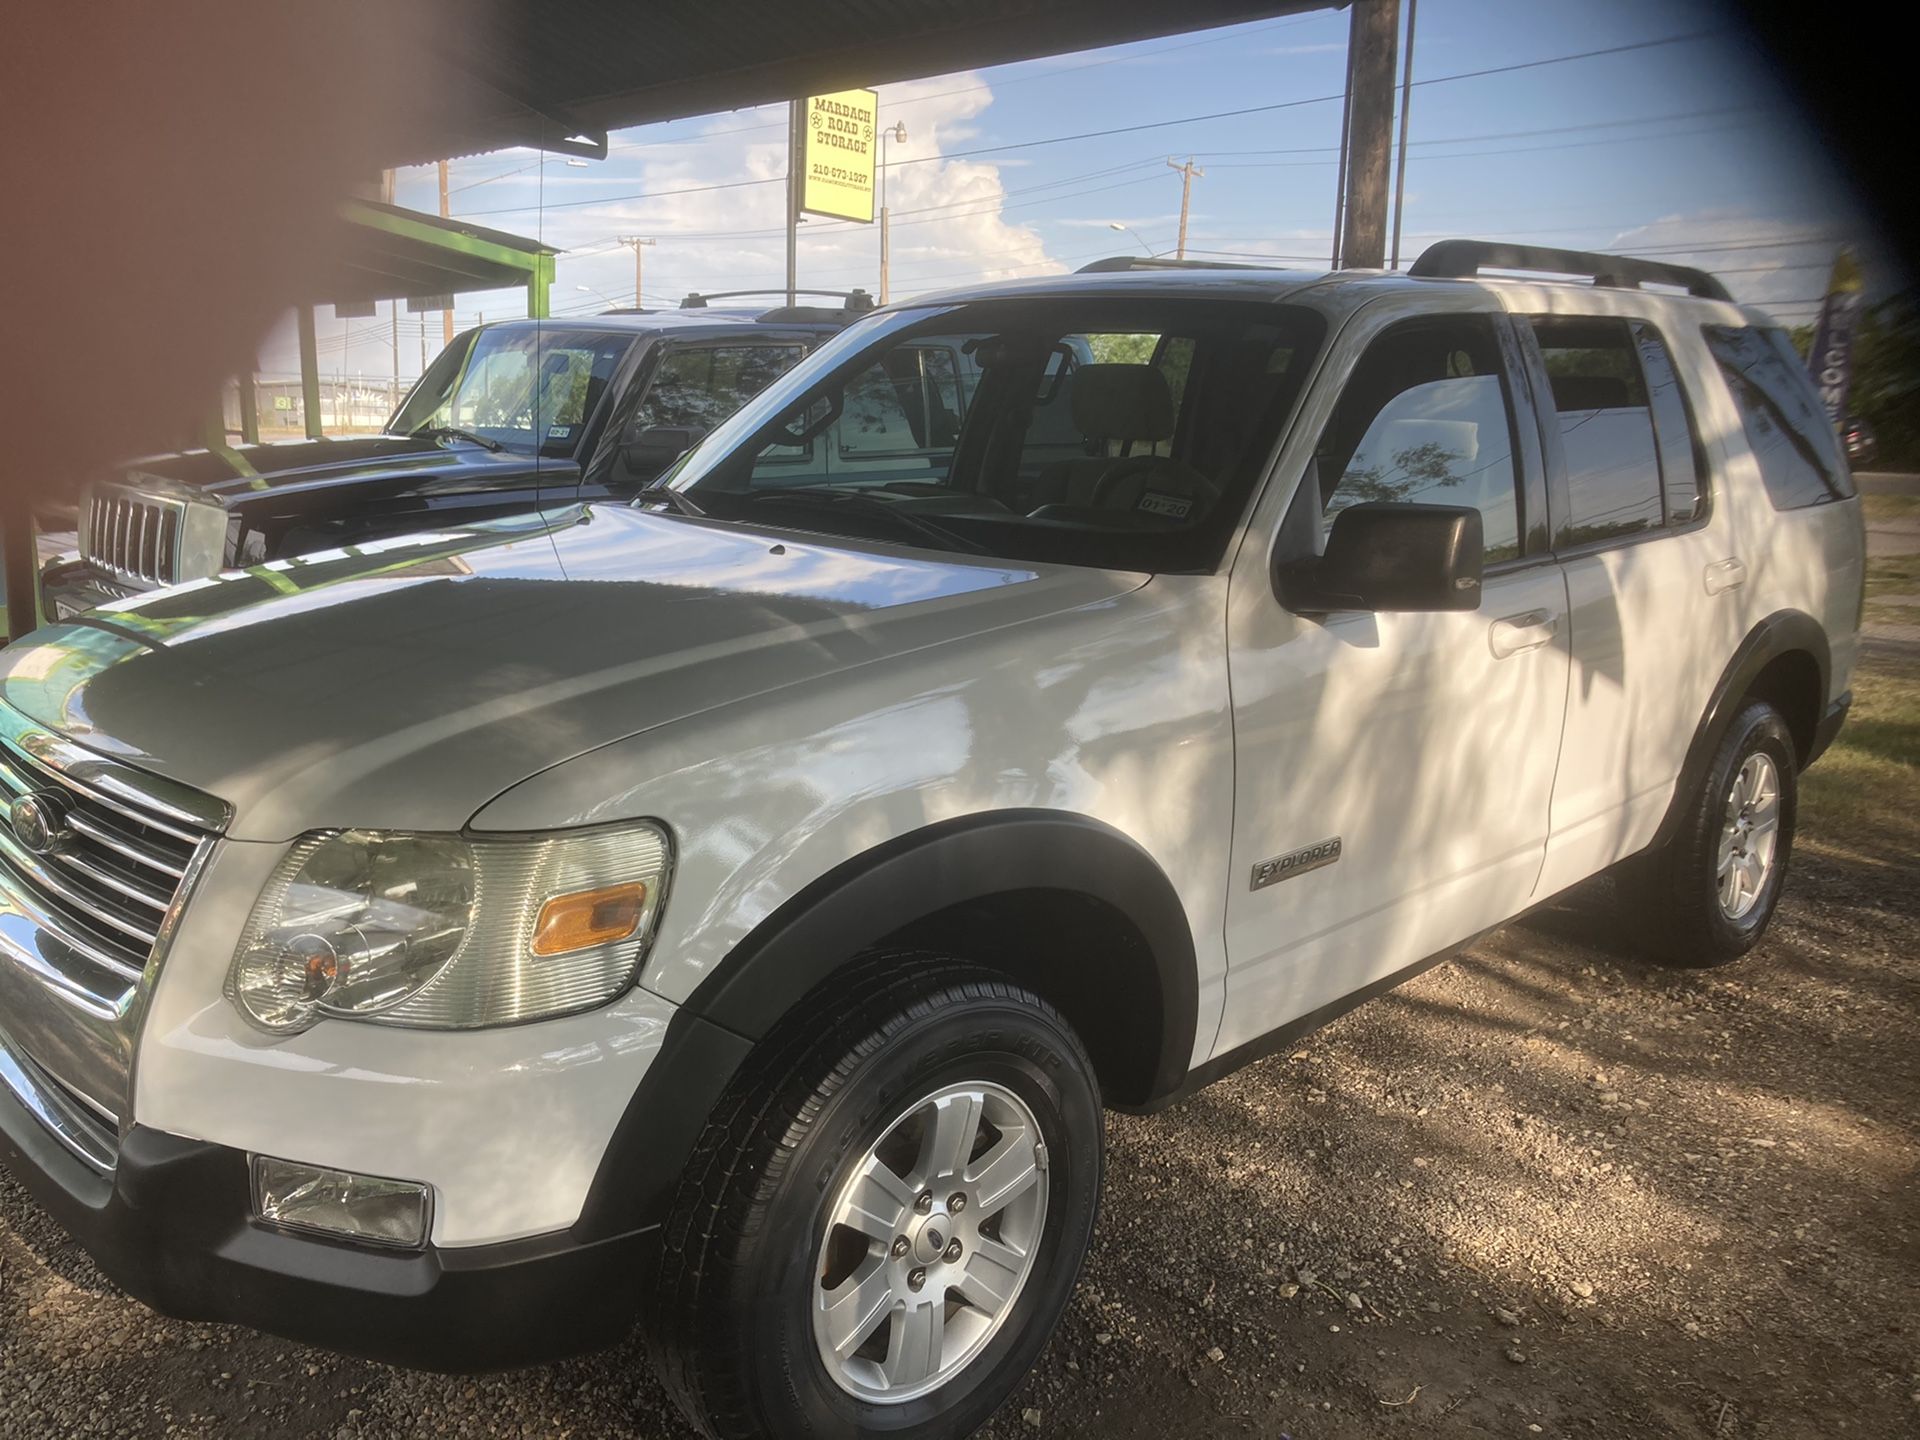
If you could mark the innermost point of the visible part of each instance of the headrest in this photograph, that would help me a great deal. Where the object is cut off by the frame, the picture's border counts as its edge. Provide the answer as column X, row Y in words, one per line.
column 1590, row 392
column 1122, row 402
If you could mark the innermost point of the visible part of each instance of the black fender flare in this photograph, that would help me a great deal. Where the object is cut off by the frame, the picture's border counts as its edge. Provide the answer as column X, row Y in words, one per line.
column 847, row 910
column 1781, row 633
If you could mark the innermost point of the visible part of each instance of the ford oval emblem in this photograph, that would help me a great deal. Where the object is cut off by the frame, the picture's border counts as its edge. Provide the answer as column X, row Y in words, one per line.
column 38, row 821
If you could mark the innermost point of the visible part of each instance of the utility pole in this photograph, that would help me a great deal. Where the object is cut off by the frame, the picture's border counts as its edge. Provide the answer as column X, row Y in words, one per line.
column 897, row 133
column 446, row 316
column 796, row 142
column 394, row 386
column 1373, row 40
column 1406, row 105
column 1187, row 172
column 636, row 242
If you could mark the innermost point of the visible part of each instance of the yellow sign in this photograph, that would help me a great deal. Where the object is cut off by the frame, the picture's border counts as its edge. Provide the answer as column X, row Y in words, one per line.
column 837, row 171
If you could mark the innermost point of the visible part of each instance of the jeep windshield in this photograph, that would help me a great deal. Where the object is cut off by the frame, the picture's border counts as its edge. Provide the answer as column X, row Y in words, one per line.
column 520, row 387
column 1120, row 433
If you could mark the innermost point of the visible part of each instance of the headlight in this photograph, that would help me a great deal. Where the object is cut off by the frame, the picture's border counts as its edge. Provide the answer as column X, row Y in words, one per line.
column 448, row 931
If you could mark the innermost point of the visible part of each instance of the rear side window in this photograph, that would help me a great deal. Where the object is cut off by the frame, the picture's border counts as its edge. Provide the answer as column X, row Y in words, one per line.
column 1785, row 424
column 1682, row 465
column 1607, row 438
column 699, row 386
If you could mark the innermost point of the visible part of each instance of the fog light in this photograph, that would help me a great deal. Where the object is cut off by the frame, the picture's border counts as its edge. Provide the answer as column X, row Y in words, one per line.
column 367, row 1208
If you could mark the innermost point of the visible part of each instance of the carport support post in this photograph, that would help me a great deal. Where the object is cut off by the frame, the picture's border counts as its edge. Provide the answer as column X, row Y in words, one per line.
column 20, row 556
column 539, row 286
column 1373, row 43
column 309, row 371
column 249, row 409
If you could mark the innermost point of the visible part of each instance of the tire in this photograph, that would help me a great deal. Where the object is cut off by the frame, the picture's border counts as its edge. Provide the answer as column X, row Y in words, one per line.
column 845, row 1085
column 1678, row 893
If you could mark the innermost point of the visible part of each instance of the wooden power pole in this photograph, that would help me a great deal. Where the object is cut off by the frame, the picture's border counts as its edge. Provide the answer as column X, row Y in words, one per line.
column 1373, row 40
column 637, row 243
column 1187, row 173
column 446, row 316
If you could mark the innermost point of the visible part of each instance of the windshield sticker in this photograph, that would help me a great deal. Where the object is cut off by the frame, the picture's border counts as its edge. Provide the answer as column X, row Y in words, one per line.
column 559, row 432
column 1174, row 507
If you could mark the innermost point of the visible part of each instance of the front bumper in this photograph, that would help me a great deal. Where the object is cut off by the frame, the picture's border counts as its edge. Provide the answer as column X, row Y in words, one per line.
column 69, row 585
column 172, row 1225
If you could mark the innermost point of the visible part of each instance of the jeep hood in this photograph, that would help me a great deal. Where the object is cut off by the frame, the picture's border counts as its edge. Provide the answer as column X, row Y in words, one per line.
column 236, row 476
column 406, row 683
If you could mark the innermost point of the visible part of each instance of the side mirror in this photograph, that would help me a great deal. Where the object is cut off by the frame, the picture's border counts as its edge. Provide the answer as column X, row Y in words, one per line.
column 658, row 446
column 1387, row 557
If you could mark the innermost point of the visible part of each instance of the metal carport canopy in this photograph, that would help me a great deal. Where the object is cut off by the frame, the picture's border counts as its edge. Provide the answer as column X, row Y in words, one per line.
column 561, row 73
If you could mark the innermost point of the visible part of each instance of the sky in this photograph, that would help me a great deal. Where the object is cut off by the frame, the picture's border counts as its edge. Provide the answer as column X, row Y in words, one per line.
column 1679, row 147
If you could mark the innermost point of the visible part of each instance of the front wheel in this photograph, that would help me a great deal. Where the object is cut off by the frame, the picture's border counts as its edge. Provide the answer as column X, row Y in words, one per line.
column 1706, row 896
column 887, row 1215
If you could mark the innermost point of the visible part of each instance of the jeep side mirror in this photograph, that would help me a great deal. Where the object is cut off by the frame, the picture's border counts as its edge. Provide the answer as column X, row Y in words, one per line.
column 1389, row 556
column 658, row 446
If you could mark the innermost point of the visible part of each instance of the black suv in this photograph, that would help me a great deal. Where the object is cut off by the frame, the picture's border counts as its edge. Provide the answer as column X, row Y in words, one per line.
column 511, row 417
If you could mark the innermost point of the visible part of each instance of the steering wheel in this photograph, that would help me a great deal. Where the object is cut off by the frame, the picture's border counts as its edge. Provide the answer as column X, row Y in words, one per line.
column 1128, row 467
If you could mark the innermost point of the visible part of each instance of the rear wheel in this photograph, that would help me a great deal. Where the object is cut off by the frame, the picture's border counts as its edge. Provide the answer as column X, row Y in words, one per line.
column 1707, row 895
column 887, row 1214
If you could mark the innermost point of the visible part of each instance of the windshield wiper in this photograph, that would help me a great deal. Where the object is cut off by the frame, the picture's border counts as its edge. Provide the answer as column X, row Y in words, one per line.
column 667, row 495
column 900, row 517
column 453, row 432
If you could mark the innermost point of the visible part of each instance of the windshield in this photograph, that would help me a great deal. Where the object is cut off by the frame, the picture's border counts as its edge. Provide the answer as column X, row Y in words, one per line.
column 1112, row 432
column 521, row 386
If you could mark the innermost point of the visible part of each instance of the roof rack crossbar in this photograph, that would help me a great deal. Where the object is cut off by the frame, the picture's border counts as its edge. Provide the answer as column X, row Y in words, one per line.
column 1116, row 263
column 855, row 299
column 1464, row 259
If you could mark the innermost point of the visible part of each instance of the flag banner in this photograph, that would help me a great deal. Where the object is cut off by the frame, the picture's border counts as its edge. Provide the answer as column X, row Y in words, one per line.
column 1831, row 359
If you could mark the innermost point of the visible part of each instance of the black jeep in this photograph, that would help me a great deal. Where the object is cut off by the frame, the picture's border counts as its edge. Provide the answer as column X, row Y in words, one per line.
column 511, row 417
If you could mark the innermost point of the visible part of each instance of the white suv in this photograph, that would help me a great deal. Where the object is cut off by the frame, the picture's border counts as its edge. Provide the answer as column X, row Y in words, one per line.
column 738, row 907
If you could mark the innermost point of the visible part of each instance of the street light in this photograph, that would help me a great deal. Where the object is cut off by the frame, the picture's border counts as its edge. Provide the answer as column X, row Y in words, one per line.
column 611, row 302
column 898, row 134
column 1129, row 230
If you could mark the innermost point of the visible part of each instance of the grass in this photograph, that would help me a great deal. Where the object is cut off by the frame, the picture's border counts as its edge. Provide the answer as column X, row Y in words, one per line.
column 1880, row 508
column 1863, row 798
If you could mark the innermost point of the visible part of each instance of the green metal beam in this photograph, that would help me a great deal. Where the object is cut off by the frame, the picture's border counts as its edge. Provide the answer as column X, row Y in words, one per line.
column 539, row 288
column 309, row 371
column 530, row 261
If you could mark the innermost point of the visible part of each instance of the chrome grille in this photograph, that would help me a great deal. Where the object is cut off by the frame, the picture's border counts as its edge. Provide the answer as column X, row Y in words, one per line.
column 133, row 536
column 92, row 874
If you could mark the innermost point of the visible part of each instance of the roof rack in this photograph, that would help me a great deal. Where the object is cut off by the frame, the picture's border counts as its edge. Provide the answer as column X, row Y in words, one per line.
column 855, row 301
column 1464, row 259
column 1116, row 263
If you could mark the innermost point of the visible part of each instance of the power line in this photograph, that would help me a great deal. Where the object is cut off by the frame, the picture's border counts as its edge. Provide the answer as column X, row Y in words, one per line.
column 1638, row 45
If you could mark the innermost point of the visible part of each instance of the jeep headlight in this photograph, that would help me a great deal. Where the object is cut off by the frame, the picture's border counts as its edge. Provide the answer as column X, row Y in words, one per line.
column 448, row 931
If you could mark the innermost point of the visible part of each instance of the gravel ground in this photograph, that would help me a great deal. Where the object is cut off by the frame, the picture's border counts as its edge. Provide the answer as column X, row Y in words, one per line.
column 1544, row 1189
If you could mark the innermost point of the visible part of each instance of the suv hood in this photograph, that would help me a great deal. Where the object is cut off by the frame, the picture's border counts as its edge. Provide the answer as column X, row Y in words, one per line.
column 236, row 474
column 407, row 683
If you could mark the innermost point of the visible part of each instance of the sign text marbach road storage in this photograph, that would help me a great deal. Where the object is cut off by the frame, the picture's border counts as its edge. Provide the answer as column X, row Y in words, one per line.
column 837, row 163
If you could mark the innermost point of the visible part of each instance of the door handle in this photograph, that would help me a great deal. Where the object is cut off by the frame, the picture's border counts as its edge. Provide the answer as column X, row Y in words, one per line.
column 1528, row 631
column 1728, row 574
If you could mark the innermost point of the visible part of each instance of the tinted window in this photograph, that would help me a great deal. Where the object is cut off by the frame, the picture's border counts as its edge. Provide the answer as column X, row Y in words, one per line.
column 1682, row 471
column 1780, row 411
column 699, row 386
column 1606, row 429
column 1425, row 419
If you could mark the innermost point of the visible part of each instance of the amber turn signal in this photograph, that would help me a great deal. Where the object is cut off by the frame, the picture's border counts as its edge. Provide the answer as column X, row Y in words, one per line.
column 589, row 917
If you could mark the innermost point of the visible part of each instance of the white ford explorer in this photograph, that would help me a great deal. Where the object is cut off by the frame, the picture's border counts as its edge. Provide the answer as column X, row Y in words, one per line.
column 736, row 909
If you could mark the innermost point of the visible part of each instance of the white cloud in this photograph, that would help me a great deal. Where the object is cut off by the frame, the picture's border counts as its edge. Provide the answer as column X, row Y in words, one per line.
column 948, row 227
